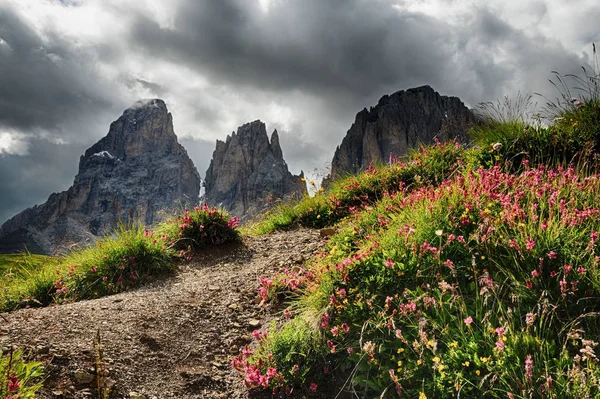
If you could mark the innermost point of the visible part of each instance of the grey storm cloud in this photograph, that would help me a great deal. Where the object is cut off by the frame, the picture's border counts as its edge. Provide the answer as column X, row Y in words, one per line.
column 221, row 63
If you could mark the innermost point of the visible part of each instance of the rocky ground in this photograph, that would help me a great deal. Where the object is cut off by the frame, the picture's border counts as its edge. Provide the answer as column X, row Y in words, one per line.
column 171, row 339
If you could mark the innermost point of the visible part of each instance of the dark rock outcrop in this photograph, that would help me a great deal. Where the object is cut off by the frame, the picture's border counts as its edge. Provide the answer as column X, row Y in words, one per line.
column 399, row 122
column 135, row 171
column 247, row 173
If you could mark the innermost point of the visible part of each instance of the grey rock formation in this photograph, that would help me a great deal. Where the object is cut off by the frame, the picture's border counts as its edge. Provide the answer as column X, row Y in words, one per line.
column 130, row 175
column 399, row 122
column 247, row 173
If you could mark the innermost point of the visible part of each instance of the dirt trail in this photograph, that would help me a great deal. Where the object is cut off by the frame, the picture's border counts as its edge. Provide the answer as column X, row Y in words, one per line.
column 171, row 339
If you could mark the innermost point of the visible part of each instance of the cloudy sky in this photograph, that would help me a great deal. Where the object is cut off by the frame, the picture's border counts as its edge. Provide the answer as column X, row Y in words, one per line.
column 68, row 68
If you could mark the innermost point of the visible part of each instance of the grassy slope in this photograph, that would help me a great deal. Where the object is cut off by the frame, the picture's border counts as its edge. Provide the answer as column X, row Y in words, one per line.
column 474, row 275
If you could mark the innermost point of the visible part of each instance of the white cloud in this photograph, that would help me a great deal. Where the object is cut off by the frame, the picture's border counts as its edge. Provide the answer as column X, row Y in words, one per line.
column 13, row 143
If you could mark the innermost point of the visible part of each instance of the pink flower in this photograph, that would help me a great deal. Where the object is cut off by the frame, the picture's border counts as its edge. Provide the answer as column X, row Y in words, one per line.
column 331, row 346
column 529, row 368
column 529, row 284
column 350, row 351
column 500, row 345
column 389, row 263
column 345, row 328
column 13, row 383
column 529, row 319
column 335, row 331
column 552, row 255
column 468, row 321
column 535, row 274
column 313, row 387
column 529, row 244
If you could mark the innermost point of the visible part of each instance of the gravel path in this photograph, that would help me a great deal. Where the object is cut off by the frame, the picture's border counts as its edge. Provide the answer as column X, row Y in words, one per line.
column 171, row 339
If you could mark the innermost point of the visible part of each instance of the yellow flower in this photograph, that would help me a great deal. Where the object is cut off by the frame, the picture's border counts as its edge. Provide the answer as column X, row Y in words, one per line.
column 453, row 344
column 436, row 359
column 422, row 395
column 467, row 363
column 430, row 343
column 399, row 363
column 400, row 350
column 419, row 362
column 484, row 359
column 477, row 372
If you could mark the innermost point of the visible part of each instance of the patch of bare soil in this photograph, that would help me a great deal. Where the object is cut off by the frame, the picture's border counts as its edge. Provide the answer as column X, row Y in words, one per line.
column 171, row 339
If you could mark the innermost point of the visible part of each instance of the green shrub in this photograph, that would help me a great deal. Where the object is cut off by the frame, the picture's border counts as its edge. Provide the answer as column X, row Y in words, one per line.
column 201, row 227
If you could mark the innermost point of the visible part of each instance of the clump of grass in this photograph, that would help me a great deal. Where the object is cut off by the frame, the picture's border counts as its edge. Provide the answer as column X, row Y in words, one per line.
column 19, row 379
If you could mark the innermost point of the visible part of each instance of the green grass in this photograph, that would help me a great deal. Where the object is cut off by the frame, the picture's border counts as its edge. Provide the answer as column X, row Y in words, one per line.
column 126, row 259
column 479, row 281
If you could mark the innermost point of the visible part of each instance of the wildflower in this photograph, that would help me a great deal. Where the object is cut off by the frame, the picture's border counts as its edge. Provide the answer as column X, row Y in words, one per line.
column 529, row 368
column 13, row 383
column 529, row 244
column 313, row 387
column 500, row 346
column 422, row 395
column 529, row 284
column 345, row 328
column 552, row 255
column 331, row 346
column 497, row 146
column 468, row 321
column 535, row 274
column 335, row 331
column 529, row 319
column 369, row 347
column 389, row 263
column 350, row 351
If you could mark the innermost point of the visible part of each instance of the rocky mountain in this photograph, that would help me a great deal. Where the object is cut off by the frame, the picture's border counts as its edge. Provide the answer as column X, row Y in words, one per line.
column 247, row 172
column 399, row 121
column 134, row 172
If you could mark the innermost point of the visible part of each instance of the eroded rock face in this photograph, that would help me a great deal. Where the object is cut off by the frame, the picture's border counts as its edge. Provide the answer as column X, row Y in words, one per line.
column 247, row 173
column 137, row 170
column 399, row 122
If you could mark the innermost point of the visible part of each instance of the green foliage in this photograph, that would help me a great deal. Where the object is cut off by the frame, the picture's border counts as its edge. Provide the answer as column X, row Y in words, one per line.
column 19, row 378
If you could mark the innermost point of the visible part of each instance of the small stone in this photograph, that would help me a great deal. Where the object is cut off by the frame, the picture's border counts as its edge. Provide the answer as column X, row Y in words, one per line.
column 254, row 323
column 214, row 288
column 326, row 232
column 57, row 394
column 234, row 349
column 83, row 377
column 135, row 395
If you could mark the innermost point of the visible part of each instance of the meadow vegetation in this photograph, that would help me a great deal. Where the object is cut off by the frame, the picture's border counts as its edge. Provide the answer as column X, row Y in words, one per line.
column 456, row 272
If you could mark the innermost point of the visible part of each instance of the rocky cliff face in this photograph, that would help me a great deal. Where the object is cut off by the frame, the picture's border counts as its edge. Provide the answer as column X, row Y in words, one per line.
column 397, row 123
column 135, row 171
column 247, row 172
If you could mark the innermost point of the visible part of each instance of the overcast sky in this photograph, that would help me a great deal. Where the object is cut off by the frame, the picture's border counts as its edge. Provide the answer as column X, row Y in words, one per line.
column 306, row 67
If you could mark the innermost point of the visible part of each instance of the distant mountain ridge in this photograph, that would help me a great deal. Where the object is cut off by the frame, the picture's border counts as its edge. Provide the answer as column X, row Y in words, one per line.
column 131, row 174
column 397, row 123
column 247, row 172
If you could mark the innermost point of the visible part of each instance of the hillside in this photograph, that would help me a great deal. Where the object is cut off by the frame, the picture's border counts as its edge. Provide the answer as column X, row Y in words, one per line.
column 457, row 271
